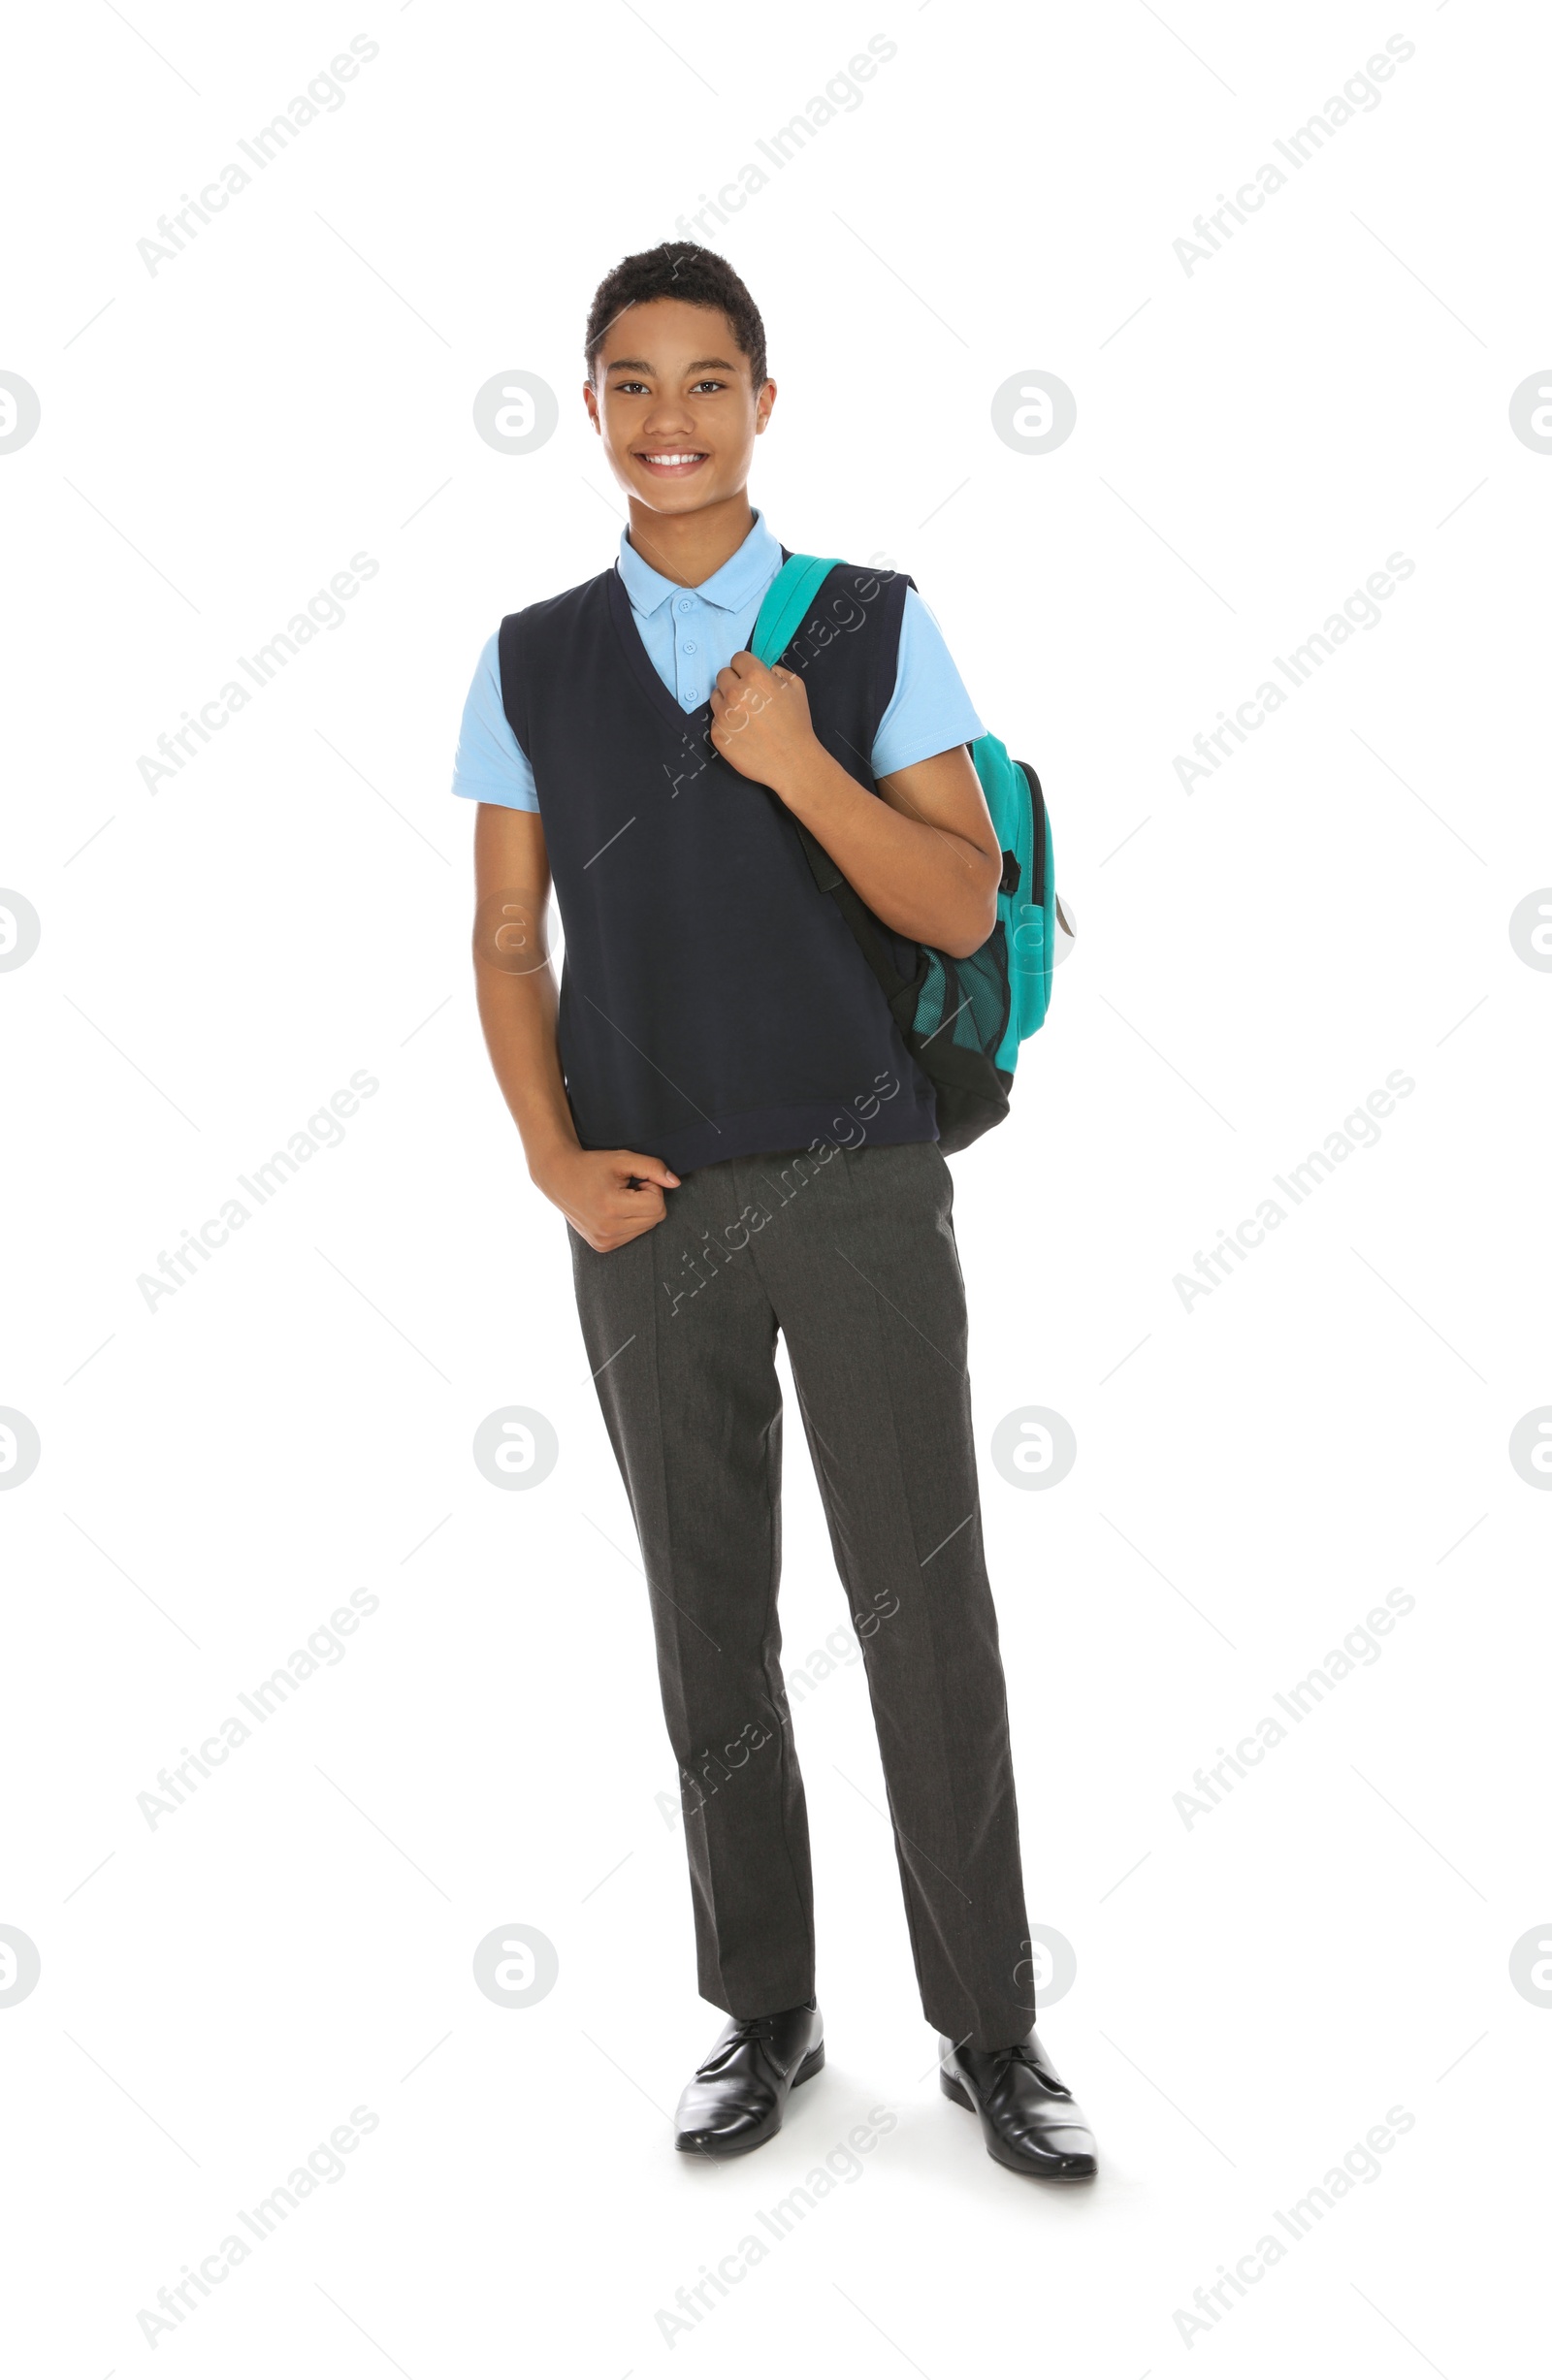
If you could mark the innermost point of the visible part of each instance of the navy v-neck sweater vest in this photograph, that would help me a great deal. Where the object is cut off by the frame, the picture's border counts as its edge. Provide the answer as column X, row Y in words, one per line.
column 714, row 1003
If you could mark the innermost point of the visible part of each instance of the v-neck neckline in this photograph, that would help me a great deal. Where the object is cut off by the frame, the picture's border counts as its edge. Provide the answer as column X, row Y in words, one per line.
column 629, row 631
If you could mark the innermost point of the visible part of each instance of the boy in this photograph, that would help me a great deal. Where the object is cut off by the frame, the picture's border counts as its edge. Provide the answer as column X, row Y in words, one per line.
column 720, row 1104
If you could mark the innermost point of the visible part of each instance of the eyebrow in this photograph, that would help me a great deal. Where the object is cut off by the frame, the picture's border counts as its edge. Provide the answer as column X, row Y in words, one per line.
column 637, row 363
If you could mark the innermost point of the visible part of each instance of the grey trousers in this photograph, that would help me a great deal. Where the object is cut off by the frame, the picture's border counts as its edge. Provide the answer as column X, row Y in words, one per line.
column 850, row 1254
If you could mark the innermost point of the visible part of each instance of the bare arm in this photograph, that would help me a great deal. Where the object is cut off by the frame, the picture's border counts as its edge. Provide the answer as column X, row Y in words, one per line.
column 924, row 857
column 514, row 983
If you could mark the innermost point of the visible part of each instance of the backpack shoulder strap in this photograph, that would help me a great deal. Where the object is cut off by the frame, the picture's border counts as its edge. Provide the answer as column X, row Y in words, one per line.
column 781, row 615
column 786, row 598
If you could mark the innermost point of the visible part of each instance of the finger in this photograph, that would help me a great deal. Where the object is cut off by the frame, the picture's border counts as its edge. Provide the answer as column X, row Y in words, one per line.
column 647, row 1168
column 622, row 1229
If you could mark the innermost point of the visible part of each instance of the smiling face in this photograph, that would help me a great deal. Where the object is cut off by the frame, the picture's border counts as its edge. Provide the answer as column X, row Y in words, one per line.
column 675, row 405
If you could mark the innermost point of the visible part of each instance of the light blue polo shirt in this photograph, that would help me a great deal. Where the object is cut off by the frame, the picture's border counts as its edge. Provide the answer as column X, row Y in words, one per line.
column 691, row 633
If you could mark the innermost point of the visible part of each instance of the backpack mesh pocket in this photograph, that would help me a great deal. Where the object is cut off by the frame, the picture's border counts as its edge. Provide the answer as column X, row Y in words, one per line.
column 967, row 1000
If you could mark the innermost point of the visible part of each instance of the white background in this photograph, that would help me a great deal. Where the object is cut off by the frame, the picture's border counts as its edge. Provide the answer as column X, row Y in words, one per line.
column 1253, row 1474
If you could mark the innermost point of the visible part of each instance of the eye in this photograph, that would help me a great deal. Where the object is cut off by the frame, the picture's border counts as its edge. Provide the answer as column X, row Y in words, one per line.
column 700, row 384
column 627, row 388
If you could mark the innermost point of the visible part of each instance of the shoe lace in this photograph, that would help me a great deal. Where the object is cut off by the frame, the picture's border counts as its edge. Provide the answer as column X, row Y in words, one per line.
column 748, row 2029
column 1021, row 2053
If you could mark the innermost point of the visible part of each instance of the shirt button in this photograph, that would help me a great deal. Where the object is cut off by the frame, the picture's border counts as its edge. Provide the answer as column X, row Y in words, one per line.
column 688, row 646
column 685, row 603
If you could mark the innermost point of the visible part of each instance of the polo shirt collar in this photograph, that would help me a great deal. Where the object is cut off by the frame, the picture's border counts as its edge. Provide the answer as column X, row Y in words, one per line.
column 732, row 588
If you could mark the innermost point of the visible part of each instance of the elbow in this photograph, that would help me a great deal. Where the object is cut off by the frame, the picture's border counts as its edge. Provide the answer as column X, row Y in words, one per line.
column 971, row 930
column 959, row 947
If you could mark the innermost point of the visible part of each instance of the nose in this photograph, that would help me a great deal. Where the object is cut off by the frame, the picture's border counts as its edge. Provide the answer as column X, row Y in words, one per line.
column 667, row 418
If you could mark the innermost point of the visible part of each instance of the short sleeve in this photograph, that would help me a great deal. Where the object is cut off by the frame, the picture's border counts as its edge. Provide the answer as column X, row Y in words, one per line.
column 490, row 764
column 929, row 710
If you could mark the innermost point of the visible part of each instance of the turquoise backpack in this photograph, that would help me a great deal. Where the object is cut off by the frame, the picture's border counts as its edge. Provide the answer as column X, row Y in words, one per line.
column 962, row 1018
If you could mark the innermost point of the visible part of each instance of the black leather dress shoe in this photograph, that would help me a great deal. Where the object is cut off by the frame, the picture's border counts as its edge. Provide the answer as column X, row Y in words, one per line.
column 1031, row 2121
column 738, row 2096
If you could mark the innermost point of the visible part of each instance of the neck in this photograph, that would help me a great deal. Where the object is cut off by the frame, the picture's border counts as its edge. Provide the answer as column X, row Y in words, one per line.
column 687, row 547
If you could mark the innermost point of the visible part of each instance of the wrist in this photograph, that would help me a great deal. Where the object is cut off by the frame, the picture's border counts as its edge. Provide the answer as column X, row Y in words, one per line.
column 812, row 785
column 549, row 1153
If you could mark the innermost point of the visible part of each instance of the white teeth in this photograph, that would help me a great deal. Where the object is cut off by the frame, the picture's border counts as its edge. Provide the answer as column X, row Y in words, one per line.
column 674, row 458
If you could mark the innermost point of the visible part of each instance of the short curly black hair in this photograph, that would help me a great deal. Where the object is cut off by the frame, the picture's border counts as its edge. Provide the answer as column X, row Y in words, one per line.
column 678, row 269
